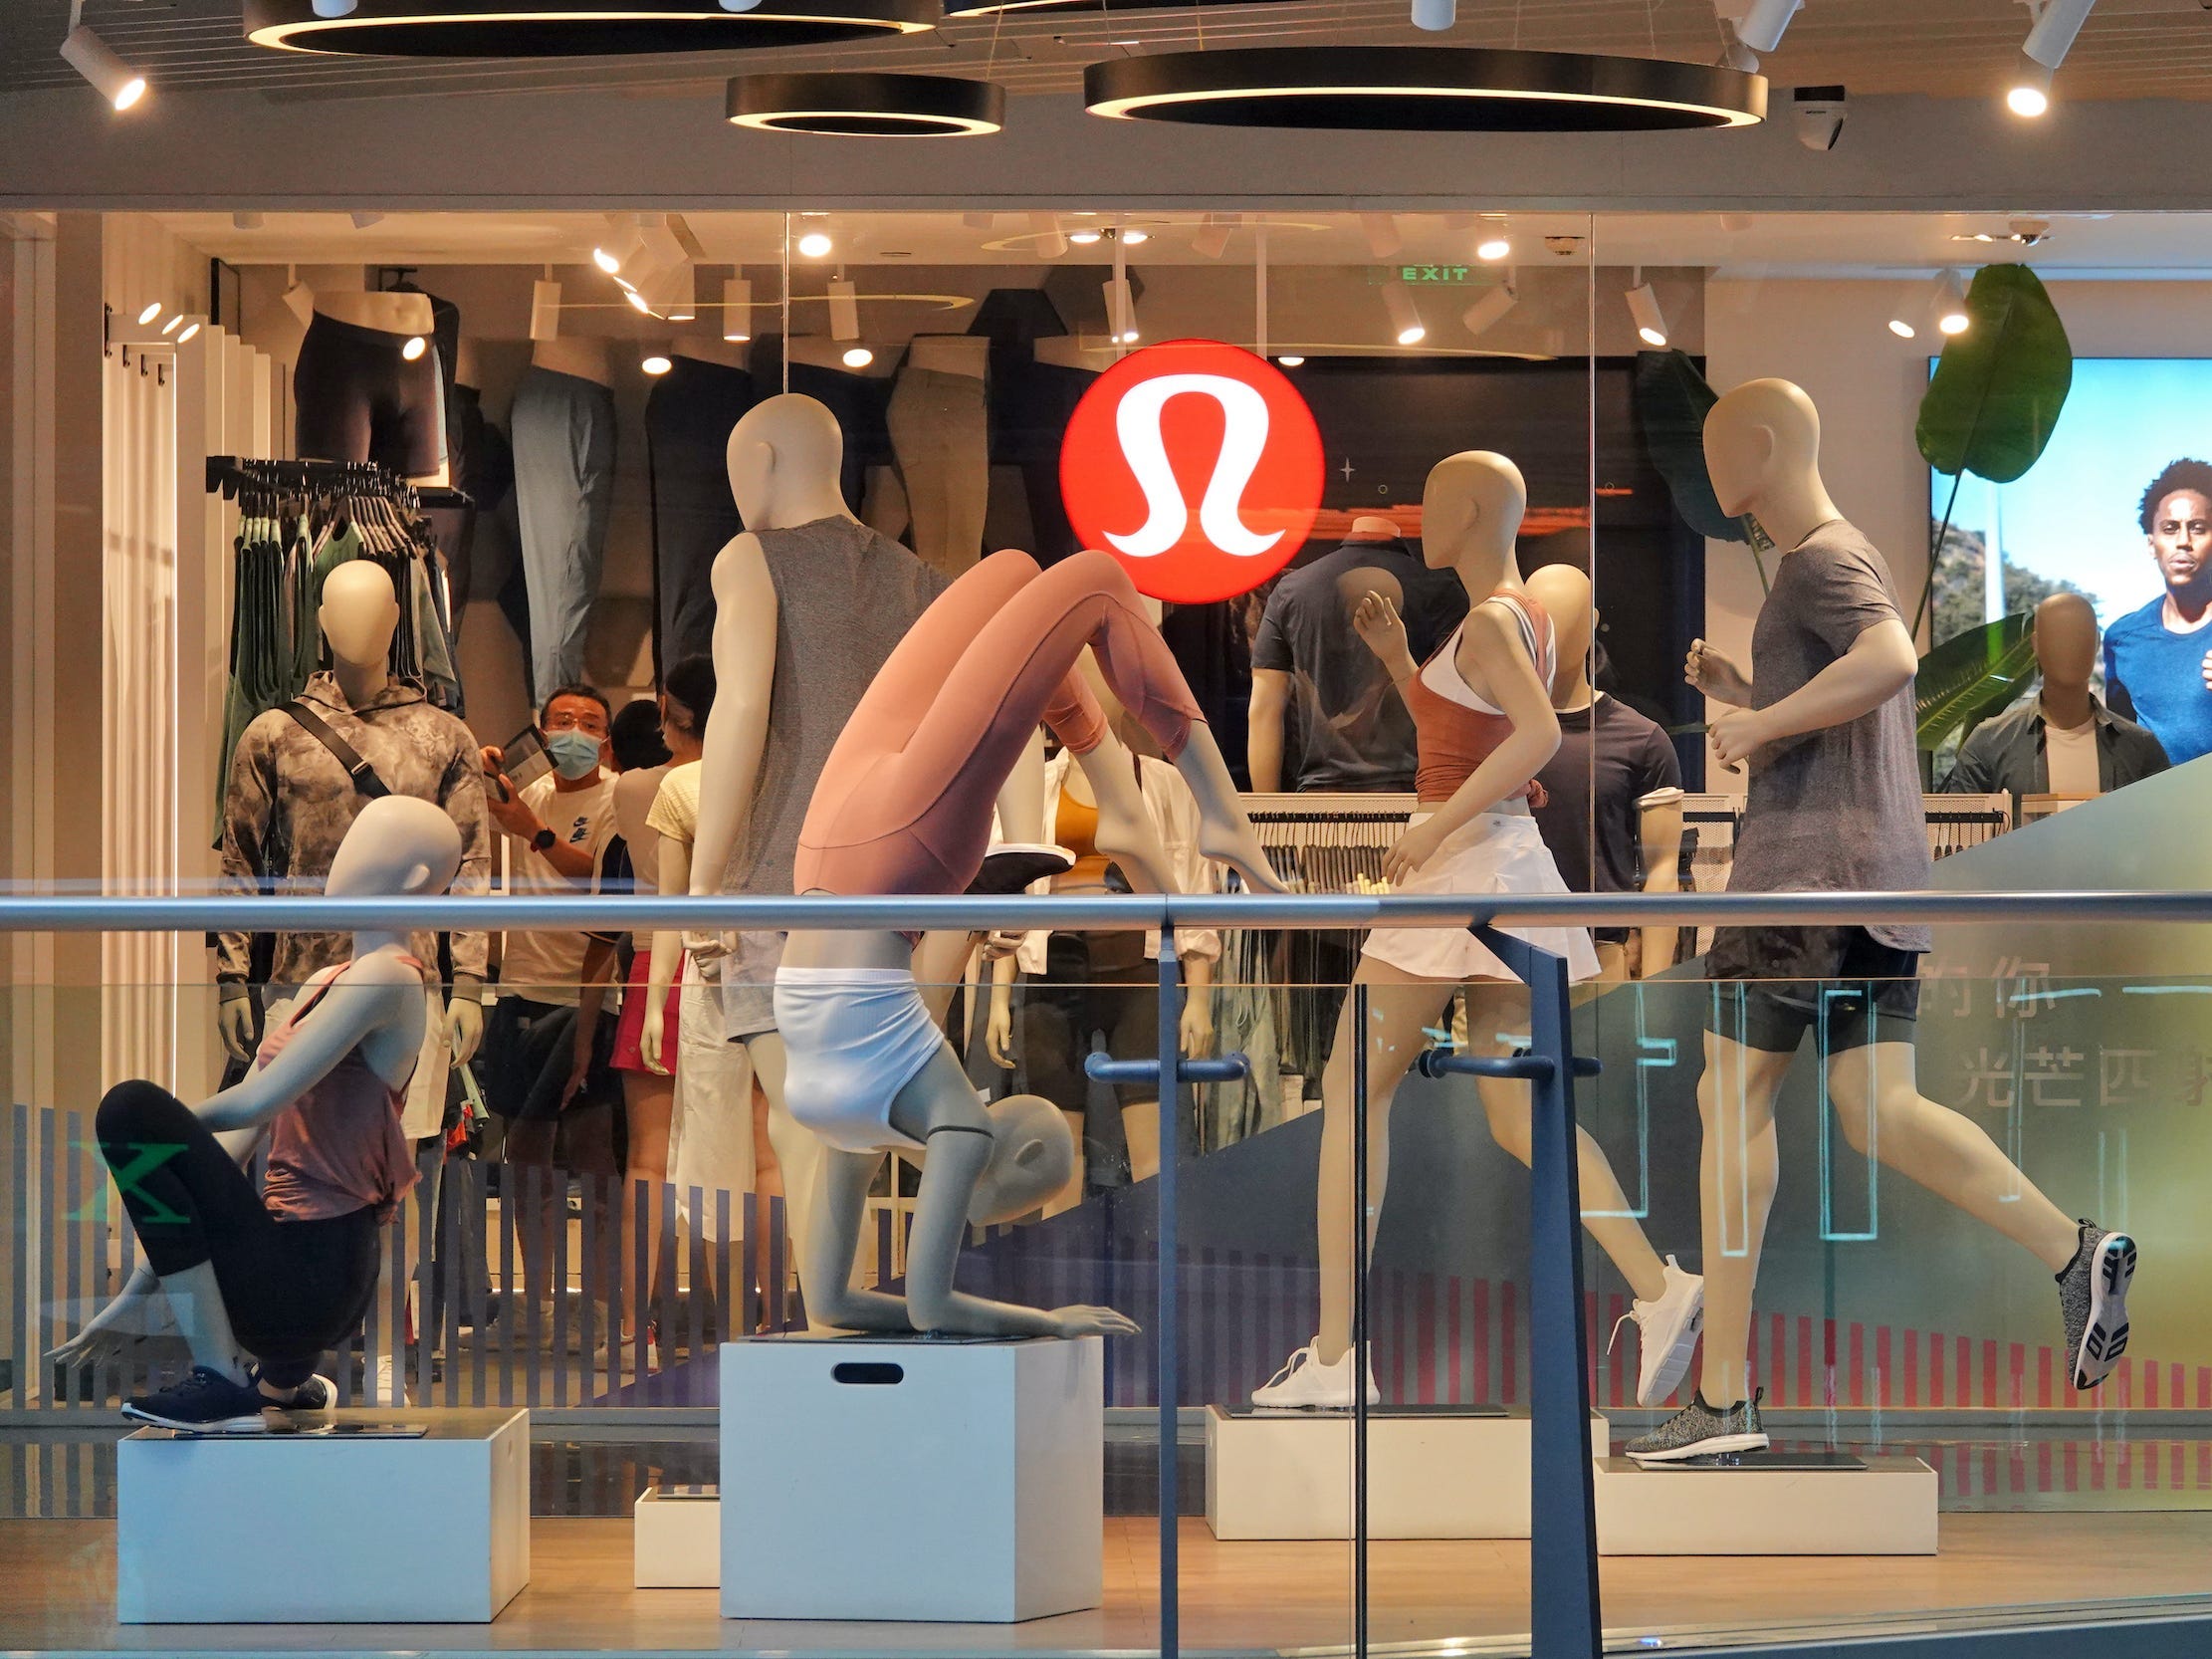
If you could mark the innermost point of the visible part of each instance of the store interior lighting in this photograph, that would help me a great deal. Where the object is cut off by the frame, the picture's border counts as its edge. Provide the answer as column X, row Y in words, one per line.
column 412, row 351
column 1131, row 237
column 1291, row 360
column 545, row 309
column 2029, row 96
column 1479, row 318
column 845, row 310
column 737, row 308
column 1494, row 246
column 1087, row 237
column 190, row 331
column 815, row 244
column 1754, row 31
column 176, row 322
column 107, row 75
column 149, row 313
column 1436, row 16
column 1902, row 329
column 1213, row 237
column 2050, row 39
column 1121, row 312
column 1645, row 313
column 623, row 244
column 658, row 363
column 1405, row 326
column 569, row 29
column 1950, row 305
column 245, row 220
column 858, row 356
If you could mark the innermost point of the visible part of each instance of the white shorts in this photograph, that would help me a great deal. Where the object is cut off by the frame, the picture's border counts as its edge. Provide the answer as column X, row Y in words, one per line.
column 1494, row 852
column 852, row 1039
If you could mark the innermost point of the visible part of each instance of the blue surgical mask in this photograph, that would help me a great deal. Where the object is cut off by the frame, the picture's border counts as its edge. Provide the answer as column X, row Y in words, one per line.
column 575, row 754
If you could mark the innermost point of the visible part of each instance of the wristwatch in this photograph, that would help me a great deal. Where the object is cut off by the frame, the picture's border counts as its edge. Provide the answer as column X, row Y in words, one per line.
column 543, row 841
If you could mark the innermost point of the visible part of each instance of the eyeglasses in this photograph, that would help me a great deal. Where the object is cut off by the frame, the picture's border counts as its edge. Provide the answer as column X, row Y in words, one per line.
column 592, row 723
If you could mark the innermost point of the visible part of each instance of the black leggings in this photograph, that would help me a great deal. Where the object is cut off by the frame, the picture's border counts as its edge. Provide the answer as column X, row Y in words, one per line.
column 292, row 1289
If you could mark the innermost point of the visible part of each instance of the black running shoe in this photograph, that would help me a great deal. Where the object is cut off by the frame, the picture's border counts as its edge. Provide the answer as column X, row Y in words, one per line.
column 316, row 1394
column 206, row 1402
column 1703, row 1431
column 2092, row 1301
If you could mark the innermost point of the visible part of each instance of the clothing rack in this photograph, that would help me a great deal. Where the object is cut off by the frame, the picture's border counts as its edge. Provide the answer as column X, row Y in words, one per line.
column 228, row 474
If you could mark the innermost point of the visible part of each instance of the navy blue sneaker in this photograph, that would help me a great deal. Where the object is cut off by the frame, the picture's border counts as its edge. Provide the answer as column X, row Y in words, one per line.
column 206, row 1402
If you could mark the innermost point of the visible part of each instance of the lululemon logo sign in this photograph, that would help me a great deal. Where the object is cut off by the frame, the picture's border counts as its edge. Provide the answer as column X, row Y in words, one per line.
column 1198, row 465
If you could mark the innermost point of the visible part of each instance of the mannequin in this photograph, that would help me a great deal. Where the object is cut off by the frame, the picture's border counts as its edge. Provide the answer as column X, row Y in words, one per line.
column 903, row 806
column 938, row 419
column 1826, row 728
column 359, row 396
column 1632, row 769
column 289, row 795
column 2064, row 741
column 260, row 1284
column 1473, row 834
column 809, row 604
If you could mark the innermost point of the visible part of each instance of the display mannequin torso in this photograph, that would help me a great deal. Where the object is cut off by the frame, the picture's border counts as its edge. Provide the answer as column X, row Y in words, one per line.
column 392, row 314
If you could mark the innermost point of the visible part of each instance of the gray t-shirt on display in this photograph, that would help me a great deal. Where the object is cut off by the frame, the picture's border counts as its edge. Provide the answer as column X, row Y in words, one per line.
column 1837, row 809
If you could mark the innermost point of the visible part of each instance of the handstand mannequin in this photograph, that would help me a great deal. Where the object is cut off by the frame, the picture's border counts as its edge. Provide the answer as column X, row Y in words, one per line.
column 1476, row 837
column 1762, row 448
column 358, row 616
column 904, row 808
column 409, row 314
column 277, row 1278
column 1564, row 593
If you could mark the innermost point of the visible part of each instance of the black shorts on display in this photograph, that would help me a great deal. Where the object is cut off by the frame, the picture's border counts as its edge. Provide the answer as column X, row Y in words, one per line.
column 1844, row 981
column 359, row 399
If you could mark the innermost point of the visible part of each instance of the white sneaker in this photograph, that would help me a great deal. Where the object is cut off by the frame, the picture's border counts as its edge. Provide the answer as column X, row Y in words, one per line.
column 1670, row 1328
column 1305, row 1384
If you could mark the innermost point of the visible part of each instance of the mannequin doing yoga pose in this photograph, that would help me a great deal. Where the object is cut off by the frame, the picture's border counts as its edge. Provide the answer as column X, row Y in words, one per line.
column 904, row 807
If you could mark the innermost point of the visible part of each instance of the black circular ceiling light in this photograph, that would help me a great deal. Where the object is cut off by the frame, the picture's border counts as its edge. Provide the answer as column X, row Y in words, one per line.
column 867, row 105
column 551, row 29
column 1423, row 89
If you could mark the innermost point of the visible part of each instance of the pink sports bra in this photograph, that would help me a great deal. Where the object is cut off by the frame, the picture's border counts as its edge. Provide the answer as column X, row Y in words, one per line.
column 1455, row 730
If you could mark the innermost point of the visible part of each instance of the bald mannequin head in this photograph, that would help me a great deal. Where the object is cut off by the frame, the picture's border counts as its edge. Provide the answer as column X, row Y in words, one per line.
column 1470, row 514
column 1567, row 599
column 1762, row 452
column 2066, row 642
column 359, row 614
column 785, row 457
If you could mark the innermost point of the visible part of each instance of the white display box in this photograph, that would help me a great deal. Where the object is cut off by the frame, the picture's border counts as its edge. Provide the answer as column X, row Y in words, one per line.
column 323, row 1528
column 913, row 1480
column 1433, row 1472
column 676, row 1544
column 1885, row 1506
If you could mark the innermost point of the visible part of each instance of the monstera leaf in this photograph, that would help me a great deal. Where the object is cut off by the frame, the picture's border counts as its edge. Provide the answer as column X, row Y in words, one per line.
column 1996, row 394
column 1971, row 676
column 1672, row 401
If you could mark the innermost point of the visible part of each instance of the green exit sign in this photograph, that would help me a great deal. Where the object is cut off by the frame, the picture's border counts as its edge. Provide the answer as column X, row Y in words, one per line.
column 1435, row 276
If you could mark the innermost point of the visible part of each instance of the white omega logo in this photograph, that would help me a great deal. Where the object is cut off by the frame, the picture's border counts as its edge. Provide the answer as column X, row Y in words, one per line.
column 1245, row 423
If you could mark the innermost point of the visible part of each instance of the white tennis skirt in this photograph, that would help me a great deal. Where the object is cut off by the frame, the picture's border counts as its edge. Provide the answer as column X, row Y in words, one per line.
column 852, row 1039
column 1494, row 852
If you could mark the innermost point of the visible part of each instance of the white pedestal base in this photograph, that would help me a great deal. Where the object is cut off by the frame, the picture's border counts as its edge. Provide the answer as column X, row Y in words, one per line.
column 1430, row 1474
column 1886, row 1508
column 326, row 1530
column 676, row 1542
column 913, row 1480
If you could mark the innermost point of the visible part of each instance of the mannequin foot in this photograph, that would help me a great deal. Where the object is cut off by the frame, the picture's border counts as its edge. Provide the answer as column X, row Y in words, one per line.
column 1700, row 1430
column 1307, row 1384
column 1668, row 1327
column 206, row 1402
column 2092, row 1301
column 1225, row 835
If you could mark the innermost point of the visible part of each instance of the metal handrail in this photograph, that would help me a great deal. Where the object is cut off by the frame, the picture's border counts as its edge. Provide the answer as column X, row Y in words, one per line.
column 494, row 912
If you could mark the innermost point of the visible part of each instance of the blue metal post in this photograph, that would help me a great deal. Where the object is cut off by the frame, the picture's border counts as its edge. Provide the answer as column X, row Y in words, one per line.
column 1169, row 1057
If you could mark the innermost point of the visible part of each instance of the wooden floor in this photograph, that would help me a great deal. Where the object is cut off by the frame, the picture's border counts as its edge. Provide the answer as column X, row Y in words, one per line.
column 57, row 1588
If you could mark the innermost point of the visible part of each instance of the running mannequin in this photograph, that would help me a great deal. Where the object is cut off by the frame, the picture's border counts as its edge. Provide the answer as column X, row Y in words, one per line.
column 904, row 807
column 1483, row 711
column 1826, row 728
column 261, row 1284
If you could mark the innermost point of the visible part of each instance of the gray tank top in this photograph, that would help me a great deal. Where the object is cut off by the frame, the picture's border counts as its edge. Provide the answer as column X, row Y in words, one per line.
column 845, row 596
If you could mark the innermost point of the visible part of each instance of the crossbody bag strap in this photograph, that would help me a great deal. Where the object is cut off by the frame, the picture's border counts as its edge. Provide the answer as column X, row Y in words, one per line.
column 363, row 774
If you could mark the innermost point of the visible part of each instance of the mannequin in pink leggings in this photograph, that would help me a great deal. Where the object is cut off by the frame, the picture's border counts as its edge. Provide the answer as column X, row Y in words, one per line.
column 904, row 808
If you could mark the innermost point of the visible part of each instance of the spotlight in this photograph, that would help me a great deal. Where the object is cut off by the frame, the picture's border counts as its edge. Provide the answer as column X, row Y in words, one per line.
column 191, row 328
column 858, row 356
column 1762, row 24
column 1494, row 248
column 1380, row 231
column 658, row 363
column 2057, row 22
column 616, row 252
column 1902, row 329
column 1405, row 321
column 737, row 308
column 1291, row 360
column 1950, row 305
column 107, row 75
column 1133, row 238
column 1436, row 16
column 247, row 221
column 672, row 293
column 544, row 309
column 149, row 314
column 1051, row 240
column 1213, row 237
column 637, row 302
column 1121, row 310
column 175, row 323
column 845, row 310
column 412, row 351
column 2029, row 96
column 1645, row 313
column 335, row 8
column 1086, row 237
column 1479, row 318
column 364, row 220
column 815, row 244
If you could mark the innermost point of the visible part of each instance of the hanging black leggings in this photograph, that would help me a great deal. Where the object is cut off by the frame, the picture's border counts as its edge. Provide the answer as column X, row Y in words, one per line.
column 292, row 1289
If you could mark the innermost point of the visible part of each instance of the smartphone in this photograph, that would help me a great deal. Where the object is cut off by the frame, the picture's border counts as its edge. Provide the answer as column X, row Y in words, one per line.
column 524, row 759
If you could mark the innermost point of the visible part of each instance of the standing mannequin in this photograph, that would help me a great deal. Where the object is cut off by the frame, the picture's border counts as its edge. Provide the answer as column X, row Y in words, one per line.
column 1825, row 727
column 261, row 1283
column 360, row 397
column 808, row 605
column 1616, row 786
column 562, row 431
column 1482, row 707
column 290, row 802
column 939, row 423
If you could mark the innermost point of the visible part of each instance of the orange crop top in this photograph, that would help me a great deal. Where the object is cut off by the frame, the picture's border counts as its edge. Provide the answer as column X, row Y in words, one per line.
column 1456, row 731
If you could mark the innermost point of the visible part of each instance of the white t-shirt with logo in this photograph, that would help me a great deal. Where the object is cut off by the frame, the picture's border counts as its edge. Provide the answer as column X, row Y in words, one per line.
column 2072, row 758
column 546, row 966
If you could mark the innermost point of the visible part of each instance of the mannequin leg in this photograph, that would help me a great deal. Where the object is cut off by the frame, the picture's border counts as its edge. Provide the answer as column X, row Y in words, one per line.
column 1399, row 1008
column 1495, row 1006
column 1879, row 1108
column 798, row 1154
column 828, row 1246
column 1737, row 1171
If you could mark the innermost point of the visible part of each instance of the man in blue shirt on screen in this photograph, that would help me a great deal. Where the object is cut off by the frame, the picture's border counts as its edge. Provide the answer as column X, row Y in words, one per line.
column 2158, row 660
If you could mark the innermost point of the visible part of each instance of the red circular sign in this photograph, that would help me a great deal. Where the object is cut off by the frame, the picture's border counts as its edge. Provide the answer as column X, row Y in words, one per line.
column 1198, row 465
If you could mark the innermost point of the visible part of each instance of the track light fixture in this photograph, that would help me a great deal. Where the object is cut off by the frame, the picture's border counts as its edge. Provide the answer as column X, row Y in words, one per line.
column 1496, row 245
column 544, row 309
column 1645, row 313
column 1121, row 312
column 1380, row 231
column 622, row 245
column 1749, row 29
column 107, row 75
column 737, row 308
column 845, row 310
column 1213, row 237
column 1951, row 317
column 2049, row 37
column 1405, row 326
column 2029, row 96
column 1479, row 318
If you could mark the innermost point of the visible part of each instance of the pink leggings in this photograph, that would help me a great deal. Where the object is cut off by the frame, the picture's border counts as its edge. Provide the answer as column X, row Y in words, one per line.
column 904, row 803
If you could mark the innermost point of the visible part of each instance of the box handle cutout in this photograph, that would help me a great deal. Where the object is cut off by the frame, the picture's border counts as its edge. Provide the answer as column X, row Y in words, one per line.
column 871, row 1373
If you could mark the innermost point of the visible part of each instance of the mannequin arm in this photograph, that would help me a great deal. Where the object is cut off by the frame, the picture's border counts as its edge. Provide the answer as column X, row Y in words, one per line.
column 1879, row 664
column 998, row 1034
column 737, row 731
column 1197, row 1026
column 377, row 991
column 1660, row 828
column 1264, row 747
column 668, row 954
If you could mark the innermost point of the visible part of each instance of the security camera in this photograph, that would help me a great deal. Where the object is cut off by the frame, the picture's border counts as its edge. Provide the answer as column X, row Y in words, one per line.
column 1820, row 115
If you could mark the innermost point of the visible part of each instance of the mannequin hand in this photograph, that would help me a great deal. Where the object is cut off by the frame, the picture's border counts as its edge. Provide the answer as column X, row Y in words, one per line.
column 1091, row 1322
column 1714, row 675
column 1735, row 735
column 94, row 1346
column 234, row 1023
column 650, row 1036
column 1410, row 851
column 1378, row 623
column 998, row 1034
column 1001, row 945
column 1197, row 1023
column 710, row 947
column 464, row 1018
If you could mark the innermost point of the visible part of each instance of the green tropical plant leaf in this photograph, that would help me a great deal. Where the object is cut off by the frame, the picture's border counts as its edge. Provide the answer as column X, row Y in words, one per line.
column 1972, row 677
column 1671, row 399
column 1994, row 400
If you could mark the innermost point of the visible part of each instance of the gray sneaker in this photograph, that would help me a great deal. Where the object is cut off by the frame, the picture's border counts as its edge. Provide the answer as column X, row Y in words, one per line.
column 1700, row 1431
column 2092, row 1301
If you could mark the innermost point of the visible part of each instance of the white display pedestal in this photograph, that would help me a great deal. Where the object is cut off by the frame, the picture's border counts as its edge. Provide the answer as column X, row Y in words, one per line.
column 1433, row 1472
column 676, row 1542
column 325, row 1529
column 1771, row 1504
column 913, row 1480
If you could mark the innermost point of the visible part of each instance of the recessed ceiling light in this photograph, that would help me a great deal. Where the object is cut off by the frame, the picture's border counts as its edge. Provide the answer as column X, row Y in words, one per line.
column 192, row 329
column 1493, row 249
column 1086, row 237
column 1131, row 237
column 815, row 244
column 412, row 351
column 858, row 356
column 658, row 363
column 1902, row 329
column 1291, row 360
